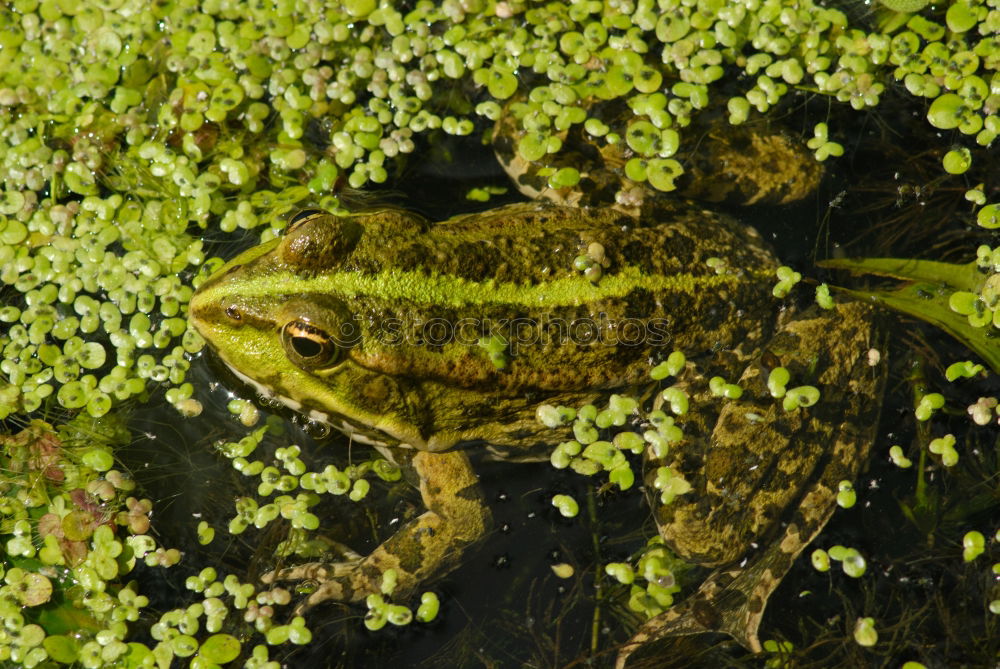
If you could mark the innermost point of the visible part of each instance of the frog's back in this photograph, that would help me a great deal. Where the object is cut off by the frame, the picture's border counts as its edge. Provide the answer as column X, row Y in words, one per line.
column 513, row 273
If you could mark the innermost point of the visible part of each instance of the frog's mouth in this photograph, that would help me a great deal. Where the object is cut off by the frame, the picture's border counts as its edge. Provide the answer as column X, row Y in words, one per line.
column 356, row 431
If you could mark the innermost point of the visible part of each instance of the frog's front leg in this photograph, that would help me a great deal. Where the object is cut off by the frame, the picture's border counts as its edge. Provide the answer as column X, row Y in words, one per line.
column 427, row 546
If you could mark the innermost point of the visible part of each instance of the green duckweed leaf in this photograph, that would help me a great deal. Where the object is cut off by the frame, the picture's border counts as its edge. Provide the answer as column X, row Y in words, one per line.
column 220, row 648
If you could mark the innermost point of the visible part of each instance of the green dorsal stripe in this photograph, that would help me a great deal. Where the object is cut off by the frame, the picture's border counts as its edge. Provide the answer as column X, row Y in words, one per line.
column 442, row 290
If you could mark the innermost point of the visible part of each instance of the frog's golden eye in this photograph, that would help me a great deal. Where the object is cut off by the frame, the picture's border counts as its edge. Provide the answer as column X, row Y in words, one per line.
column 303, row 216
column 308, row 346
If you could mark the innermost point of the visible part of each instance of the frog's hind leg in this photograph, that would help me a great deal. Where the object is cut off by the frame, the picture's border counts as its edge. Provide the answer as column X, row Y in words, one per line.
column 792, row 460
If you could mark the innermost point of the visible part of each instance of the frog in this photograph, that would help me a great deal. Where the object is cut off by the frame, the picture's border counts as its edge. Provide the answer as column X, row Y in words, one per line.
column 429, row 341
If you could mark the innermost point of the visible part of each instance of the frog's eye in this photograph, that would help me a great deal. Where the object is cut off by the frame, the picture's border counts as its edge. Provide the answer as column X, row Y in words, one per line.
column 302, row 216
column 308, row 346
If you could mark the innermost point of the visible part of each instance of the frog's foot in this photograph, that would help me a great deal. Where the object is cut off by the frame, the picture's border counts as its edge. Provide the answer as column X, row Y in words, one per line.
column 699, row 614
column 427, row 546
column 731, row 601
column 746, row 164
column 338, row 581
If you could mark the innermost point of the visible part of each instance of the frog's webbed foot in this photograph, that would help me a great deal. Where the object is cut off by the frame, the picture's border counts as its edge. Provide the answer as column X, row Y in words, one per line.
column 338, row 581
column 427, row 546
column 731, row 601
column 697, row 614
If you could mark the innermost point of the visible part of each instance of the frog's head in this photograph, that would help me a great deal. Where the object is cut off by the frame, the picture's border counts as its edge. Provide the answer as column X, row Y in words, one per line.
column 275, row 316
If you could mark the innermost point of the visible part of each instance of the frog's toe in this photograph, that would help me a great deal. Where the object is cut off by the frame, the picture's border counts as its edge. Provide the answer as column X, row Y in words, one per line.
column 333, row 590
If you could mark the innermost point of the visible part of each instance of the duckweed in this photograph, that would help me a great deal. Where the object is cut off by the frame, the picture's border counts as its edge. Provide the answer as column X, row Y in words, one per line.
column 865, row 633
column 984, row 410
column 721, row 388
column 965, row 369
column 429, row 607
column 899, row 458
column 670, row 484
column 553, row 417
column 495, row 347
column 973, row 545
column 656, row 566
column 846, row 495
column 928, row 405
column 851, row 560
column 677, row 399
column 670, row 367
column 945, row 448
column 777, row 379
column 781, row 651
column 989, row 216
column 800, row 396
column 621, row 572
column 568, row 507
column 822, row 146
column 787, row 278
column 820, row 560
column 823, row 297
column 976, row 195
column 957, row 161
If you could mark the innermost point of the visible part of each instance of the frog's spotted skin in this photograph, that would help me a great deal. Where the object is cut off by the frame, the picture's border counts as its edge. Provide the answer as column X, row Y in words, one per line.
column 332, row 318
column 783, row 491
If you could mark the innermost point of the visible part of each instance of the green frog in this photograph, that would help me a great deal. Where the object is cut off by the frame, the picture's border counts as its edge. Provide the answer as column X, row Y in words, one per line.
column 429, row 340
